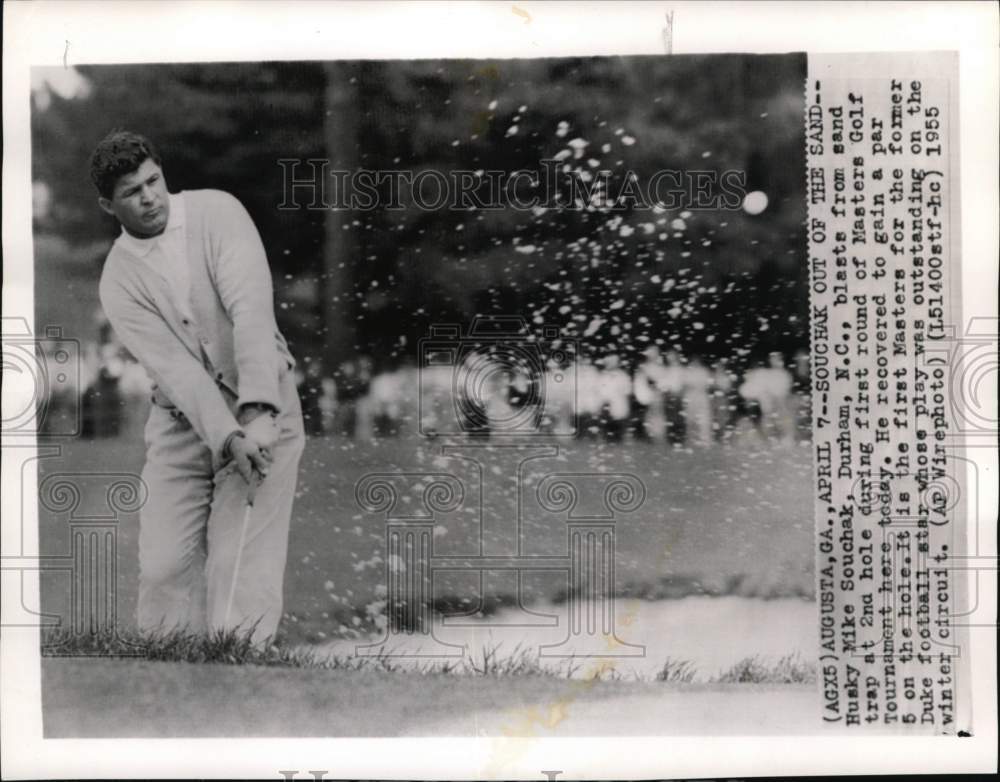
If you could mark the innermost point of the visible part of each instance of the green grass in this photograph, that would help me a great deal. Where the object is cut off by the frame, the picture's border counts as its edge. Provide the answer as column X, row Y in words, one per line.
column 755, row 669
column 136, row 698
column 677, row 671
column 165, row 685
column 233, row 647
column 790, row 669
column 715, row 522
column 236, row 648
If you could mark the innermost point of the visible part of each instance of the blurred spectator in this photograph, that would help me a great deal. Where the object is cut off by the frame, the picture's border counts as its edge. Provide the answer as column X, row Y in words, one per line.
column 496, row 385
column 559, row 397
column 103, row 403
column 648, row 397
column 363, row 426
column 588, row 398
column 770, row 388
column 351, row 418
column 723, row 401
column 387, row 393
column 677, row 401
column 328, row 404
column 697, row 402
column 802, row 396
column 471, row 386
column 310, row 391
column 437, row 404
column 614, row 389
column 671, row 387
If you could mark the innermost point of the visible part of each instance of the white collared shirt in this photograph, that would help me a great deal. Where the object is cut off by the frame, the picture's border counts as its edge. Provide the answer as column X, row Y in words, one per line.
column 167, row 255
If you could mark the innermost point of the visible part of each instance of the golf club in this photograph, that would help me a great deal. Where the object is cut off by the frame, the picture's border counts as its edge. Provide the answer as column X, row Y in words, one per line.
column 247, row 510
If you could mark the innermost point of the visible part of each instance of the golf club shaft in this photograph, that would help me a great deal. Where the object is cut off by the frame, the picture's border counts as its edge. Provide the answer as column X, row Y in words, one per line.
column 247, row 510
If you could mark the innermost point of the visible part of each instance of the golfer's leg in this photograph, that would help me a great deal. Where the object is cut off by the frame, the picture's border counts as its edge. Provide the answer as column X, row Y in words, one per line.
column 172, row 526
column 259, row 566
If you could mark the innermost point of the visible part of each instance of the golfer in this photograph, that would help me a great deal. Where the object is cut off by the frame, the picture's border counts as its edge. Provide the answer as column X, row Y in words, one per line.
column 187, row 288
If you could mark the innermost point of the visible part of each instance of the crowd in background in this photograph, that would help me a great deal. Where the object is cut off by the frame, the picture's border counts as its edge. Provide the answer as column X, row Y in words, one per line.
column 666, row 397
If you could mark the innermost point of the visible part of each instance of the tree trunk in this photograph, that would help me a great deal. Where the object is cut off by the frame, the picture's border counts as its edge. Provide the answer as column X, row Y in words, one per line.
column 341, row 250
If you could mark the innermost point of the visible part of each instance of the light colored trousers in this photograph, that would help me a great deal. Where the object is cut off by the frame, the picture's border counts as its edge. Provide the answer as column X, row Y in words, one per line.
column 191, row 524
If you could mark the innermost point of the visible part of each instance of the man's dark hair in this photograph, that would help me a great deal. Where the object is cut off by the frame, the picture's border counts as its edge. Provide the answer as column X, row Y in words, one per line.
column 119, row 153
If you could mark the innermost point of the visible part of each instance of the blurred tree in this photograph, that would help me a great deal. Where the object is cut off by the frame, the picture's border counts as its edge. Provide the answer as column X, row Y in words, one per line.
column 718, row 282
column 344, row 251
column 370, row 281
column 217, row 125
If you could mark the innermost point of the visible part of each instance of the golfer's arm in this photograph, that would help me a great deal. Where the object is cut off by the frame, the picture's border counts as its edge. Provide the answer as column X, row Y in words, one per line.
column 243, row 280
column 181, row 377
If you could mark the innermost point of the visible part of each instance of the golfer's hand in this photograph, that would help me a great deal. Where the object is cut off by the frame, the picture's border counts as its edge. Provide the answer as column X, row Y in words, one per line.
column 263, row 430
column 260, row 425
column 248, row 457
